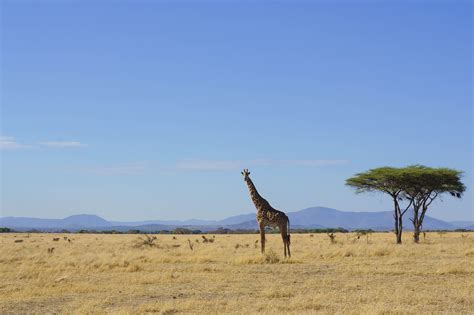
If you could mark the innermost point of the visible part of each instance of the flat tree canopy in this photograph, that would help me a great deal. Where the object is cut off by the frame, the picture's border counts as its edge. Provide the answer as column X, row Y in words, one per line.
column 417, row 185
column 424, row 184
column 389, row 180
column 383, row 179
column 428, row 182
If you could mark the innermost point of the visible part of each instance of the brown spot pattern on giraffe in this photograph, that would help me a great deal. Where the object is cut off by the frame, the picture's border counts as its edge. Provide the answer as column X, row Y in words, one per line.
column 271, row 218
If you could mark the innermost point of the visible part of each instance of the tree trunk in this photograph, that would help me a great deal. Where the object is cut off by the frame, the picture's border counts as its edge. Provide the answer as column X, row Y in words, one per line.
column 398, row 217
column 416, row 234
column 397, row 230
column 419, row 224
column 400, row 229
column 416, row 227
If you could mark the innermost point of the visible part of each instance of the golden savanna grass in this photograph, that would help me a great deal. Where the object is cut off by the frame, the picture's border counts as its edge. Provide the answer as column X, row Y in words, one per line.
column 111, row 274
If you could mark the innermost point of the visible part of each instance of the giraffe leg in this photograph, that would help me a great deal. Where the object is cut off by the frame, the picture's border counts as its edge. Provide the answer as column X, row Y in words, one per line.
column 288, row 244
column 284, row 238
column 262, row 238
column 287, row 236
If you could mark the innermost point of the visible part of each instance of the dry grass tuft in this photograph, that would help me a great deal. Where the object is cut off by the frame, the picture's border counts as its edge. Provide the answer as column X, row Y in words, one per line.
column 146, row 241
column 380, row 252
column 277, row 293
column 470, row 253
column 332, row 238
column 271, row 257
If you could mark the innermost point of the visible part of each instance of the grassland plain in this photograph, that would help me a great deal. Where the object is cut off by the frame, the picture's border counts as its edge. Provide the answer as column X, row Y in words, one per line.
column 110, row 274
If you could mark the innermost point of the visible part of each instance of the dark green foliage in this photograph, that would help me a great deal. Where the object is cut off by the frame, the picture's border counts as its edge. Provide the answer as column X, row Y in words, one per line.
column 184, row 231
column 423, row 185
column 133, row 232
column 388, row 180
column 5, row 230
column 222, row 230
column 384, row 179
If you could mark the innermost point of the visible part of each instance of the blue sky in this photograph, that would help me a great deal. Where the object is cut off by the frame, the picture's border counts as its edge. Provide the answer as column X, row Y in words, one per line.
column 140, row 110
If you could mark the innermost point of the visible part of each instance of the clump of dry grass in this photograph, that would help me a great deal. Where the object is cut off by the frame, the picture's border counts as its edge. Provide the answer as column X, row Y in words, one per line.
column 208, row 240
column 364, row 233
column 237, row 246
column 191, row 245
column 332, row 238
column 278, row 293
column 146, row 241
column 379, row 252
column 271, row 257
column 470, row 252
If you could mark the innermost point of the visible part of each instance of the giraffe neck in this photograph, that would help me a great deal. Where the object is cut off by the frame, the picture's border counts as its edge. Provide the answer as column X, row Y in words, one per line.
column 258, row 200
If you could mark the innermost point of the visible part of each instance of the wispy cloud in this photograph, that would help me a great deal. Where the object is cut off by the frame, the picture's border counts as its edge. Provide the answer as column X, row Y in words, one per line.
column 121, row 169
column 9, row 143
column 227, row 165
column 62, row 144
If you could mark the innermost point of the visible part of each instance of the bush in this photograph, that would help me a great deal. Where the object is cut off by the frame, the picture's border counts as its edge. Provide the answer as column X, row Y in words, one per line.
column 146, row 241
column 271, row 257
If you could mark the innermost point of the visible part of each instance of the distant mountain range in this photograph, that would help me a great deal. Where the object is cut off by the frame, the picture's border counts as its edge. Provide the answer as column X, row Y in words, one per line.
column 310, row 218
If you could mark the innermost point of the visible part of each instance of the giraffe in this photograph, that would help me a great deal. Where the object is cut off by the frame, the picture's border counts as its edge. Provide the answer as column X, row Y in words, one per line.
column 268, row 216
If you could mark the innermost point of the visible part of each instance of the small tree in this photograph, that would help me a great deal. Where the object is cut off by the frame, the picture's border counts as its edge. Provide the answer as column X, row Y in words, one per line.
column 388, row 180
column 424, row 185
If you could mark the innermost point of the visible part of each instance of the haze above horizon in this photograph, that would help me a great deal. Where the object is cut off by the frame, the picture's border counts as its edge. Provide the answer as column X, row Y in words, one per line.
column 133, row 111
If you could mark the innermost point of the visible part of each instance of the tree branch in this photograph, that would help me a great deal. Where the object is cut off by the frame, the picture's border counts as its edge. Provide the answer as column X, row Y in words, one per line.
column 406, row 209
column 432, row 198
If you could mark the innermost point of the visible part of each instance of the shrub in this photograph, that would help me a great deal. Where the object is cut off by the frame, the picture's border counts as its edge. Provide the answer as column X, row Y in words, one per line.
column 332, row 237
column 146, row 241
column 271, row 257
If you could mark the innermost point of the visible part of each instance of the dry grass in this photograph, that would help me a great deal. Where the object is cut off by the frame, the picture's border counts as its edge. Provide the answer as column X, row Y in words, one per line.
column 109, row 274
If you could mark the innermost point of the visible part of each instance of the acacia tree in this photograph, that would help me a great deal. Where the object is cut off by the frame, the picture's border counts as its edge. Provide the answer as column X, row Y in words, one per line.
column 388, row 180
column 423, row 185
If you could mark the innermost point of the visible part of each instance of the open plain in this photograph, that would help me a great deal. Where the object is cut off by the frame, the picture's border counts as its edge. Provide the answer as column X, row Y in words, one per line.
column 98, row 273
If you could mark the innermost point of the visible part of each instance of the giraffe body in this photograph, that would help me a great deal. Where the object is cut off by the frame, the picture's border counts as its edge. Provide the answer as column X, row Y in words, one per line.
column 271, row 218
column 268, row 216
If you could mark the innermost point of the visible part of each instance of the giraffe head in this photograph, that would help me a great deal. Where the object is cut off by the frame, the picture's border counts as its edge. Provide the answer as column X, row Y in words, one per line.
column 246, row 174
